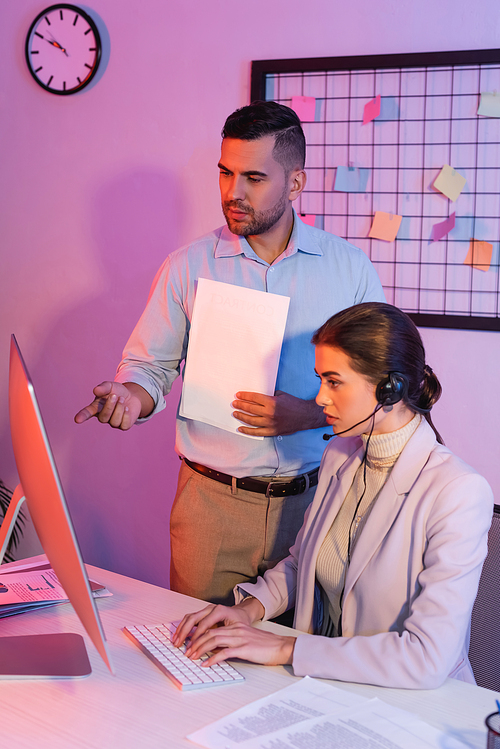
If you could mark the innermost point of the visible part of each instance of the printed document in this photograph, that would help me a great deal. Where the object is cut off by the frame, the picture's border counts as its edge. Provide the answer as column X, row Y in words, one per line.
column 234, row 345
column 30, row 586
column 316, row 715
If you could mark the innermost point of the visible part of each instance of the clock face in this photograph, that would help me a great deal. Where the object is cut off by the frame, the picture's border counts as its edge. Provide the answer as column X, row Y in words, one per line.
column 63, row 49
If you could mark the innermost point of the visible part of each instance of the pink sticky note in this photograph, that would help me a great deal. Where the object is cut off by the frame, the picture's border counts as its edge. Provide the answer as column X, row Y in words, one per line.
column 305, row 107
column 385, row 226
column 372, row 110
column 441, row 230
column 479, row 254
column 308, row 219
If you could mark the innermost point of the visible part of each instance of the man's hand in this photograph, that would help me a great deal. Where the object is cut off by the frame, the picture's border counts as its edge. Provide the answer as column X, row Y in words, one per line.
column 117, row 405
column 282, row 413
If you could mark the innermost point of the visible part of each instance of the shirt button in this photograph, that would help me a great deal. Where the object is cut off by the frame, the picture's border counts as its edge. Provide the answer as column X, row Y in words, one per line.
column 280, row 438
column 271, row 270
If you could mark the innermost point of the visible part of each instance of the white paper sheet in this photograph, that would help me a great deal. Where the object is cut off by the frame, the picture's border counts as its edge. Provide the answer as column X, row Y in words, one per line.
column 348, row 721
column 299, row 702
column 234, row 345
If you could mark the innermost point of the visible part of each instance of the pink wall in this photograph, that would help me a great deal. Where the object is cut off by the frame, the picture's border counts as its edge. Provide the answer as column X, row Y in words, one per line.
column 97, row 188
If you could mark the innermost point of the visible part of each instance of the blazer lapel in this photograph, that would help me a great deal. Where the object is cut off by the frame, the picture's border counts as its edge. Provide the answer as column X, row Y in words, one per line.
column 339, row 486
column 390, row 500
column 335, row 485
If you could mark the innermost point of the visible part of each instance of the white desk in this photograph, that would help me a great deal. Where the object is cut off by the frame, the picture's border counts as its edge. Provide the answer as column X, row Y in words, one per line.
column 139, row 708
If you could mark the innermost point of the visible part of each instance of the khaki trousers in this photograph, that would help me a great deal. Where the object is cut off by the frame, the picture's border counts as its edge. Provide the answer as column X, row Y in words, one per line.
column 220, row 539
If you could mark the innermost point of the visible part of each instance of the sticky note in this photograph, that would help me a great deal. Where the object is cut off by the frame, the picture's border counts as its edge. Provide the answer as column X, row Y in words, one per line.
column 489, row 105
column 308, row 219
column 389, row 109
column 479, row 254
column 449, row 182
column 305, row 107
column 441, row 230
column 385, row 226
column 351, row 179
column 371, row 110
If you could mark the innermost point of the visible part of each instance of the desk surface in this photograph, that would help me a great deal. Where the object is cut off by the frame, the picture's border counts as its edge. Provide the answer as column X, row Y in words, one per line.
column 139, row 706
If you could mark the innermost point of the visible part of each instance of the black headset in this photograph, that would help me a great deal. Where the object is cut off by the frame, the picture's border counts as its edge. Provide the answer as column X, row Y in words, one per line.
column 392, row 389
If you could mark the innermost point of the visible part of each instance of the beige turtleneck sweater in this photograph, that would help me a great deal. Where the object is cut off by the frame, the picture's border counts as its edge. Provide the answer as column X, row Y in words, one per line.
column 332, row 561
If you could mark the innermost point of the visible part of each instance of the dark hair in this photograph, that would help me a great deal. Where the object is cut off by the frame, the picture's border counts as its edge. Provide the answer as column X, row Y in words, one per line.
column 263, row 118
column 378, row 339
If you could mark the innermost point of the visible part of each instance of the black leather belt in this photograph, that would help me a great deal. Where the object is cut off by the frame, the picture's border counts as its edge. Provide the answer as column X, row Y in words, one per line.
column 273, row 488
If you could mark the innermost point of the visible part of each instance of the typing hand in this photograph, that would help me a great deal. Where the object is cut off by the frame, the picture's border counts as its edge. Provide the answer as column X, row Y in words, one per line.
column 242, row 641
column 115, row 404
column 270, row 415
column 195, row 625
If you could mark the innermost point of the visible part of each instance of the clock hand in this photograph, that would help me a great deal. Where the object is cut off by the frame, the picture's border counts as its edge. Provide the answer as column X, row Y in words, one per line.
column 56, row 44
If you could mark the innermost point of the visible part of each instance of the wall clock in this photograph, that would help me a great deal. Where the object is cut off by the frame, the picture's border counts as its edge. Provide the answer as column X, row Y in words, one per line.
column 63, row 49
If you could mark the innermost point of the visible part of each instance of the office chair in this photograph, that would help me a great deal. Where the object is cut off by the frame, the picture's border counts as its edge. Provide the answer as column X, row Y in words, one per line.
column 484, row 650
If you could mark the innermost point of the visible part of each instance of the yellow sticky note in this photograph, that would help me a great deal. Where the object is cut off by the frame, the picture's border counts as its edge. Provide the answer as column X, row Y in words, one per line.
column 385, row 226
column 479, row 254
column 449, row 182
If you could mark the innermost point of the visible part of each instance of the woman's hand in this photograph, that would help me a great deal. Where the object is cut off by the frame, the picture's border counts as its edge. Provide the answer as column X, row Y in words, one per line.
column 228, row 630
column 248, row 611
column 245, row 642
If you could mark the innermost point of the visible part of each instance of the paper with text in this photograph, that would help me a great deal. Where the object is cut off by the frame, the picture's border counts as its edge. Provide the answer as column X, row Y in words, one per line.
column 26, row 587
column 234, row 344
column 298, row 702
column 315, row 715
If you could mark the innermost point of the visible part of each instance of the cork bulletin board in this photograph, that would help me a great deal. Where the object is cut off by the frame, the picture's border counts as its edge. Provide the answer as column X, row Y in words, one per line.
column 405, row 145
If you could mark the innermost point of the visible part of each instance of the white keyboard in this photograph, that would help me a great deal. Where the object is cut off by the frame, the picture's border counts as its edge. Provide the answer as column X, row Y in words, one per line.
column 155, row 642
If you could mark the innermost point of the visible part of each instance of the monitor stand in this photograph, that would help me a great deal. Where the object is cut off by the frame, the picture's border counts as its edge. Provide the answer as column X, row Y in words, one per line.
column 55, row 656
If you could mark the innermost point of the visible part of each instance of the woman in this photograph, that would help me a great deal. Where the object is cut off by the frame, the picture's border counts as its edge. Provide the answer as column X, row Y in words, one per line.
column 384, row 571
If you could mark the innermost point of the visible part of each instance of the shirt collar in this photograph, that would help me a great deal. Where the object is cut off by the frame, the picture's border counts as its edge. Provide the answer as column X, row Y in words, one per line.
column 302, row 239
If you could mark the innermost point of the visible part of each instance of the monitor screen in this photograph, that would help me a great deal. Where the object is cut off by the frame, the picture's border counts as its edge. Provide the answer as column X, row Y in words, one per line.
column 44, row 495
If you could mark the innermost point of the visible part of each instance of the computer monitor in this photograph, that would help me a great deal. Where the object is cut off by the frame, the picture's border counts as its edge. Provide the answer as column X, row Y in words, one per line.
column 41, row 487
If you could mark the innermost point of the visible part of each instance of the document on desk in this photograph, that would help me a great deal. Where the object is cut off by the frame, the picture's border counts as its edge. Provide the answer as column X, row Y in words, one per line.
column 316, row 715
column 299, row 702
column 234, row 345
column 35, row 587
column 30, row 587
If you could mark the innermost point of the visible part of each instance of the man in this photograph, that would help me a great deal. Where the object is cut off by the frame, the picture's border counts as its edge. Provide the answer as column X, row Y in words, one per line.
column 240, row 502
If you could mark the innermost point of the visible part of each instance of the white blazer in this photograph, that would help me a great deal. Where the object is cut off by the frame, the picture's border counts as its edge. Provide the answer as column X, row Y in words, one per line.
column 413, row 575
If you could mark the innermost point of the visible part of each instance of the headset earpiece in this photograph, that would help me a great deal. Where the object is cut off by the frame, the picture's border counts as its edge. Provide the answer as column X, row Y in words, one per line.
column 392, row 389
column 388, row 392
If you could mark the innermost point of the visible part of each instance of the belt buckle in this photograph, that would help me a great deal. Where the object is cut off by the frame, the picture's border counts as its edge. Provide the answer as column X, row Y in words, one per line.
column 303, row 478
column 269, row 488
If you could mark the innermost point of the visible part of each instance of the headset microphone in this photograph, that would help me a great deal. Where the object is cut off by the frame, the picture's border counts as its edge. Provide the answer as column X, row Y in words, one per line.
column 327, row 437
column 388, row 392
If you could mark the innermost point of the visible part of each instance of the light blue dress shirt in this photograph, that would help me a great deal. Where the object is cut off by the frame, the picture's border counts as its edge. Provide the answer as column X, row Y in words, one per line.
column 321, row 274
